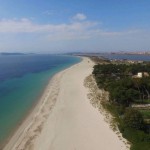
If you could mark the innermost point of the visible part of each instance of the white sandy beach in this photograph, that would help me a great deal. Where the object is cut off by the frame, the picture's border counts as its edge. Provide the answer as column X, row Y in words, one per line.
column 64, row 119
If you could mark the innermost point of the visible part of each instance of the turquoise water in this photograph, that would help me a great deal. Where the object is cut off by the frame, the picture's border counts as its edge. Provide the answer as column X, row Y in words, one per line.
column 19, row 94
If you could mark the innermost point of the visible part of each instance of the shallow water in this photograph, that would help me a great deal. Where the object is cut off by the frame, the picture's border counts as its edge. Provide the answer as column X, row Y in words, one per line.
column 22, row 80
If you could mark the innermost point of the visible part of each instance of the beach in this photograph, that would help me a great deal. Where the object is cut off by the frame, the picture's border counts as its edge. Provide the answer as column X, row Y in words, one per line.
column 64, row 118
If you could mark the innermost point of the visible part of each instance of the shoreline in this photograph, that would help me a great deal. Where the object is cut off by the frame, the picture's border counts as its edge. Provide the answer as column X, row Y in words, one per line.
column 98, row 97
column 30, row 113
column 64, row 119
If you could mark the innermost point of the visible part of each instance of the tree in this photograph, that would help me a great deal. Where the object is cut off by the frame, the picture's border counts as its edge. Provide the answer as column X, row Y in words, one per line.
column 134, row 119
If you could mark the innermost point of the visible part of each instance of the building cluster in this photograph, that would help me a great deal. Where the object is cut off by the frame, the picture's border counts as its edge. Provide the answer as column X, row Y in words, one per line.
column 122, row 61
column 141, row 75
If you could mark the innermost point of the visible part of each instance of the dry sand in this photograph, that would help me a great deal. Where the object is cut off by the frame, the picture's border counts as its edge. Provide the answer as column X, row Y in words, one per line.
column 64, row 119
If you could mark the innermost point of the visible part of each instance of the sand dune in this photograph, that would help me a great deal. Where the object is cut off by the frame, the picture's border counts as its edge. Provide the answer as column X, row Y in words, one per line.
column 64, row 119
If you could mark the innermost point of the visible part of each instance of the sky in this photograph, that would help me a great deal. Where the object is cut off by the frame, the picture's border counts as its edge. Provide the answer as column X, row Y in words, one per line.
column 56, row 26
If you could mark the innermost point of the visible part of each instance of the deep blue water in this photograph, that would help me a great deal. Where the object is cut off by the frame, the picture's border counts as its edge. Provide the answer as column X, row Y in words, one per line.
column 22, row 80
column 17, row 66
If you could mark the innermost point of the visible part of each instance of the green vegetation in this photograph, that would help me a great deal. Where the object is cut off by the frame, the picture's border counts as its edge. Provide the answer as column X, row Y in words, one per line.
column 145, row 113
column 133, row 119
column 128, row 85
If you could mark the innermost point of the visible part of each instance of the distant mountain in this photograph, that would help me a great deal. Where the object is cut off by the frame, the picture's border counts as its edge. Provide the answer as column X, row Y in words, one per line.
column 5, row 53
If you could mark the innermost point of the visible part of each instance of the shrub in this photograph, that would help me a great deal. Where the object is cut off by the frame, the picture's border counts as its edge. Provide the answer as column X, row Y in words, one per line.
column 134, row 119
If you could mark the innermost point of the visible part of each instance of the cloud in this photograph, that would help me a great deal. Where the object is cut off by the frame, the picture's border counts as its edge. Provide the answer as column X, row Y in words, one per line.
column 73, row 30
column 80, row 33
column 26, row 25
column 16, row 26
column 53, row 31
column 49, row 12
column 80, row 17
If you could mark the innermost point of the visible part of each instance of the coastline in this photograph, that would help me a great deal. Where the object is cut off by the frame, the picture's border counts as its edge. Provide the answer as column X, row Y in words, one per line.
column 14, row 135
column 64, row 118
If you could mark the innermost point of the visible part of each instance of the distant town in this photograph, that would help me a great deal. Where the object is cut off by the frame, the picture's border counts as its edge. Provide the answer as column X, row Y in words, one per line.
column 118, row 53
column 132, row 53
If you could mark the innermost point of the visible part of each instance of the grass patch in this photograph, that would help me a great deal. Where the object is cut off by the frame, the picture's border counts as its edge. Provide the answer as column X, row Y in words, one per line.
column 139, row 139
column 145, row 113
column 142, row 101
column 141, row 146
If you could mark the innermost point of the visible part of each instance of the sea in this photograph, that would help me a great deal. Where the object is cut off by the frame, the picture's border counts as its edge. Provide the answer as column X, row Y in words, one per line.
column 22, row 81
column 134, row 57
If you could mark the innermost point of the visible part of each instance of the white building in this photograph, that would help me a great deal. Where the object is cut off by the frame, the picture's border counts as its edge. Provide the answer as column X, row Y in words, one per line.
column 140, row 75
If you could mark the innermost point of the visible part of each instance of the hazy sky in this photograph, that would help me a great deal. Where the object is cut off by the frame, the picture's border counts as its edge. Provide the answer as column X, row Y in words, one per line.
column 49, row 26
